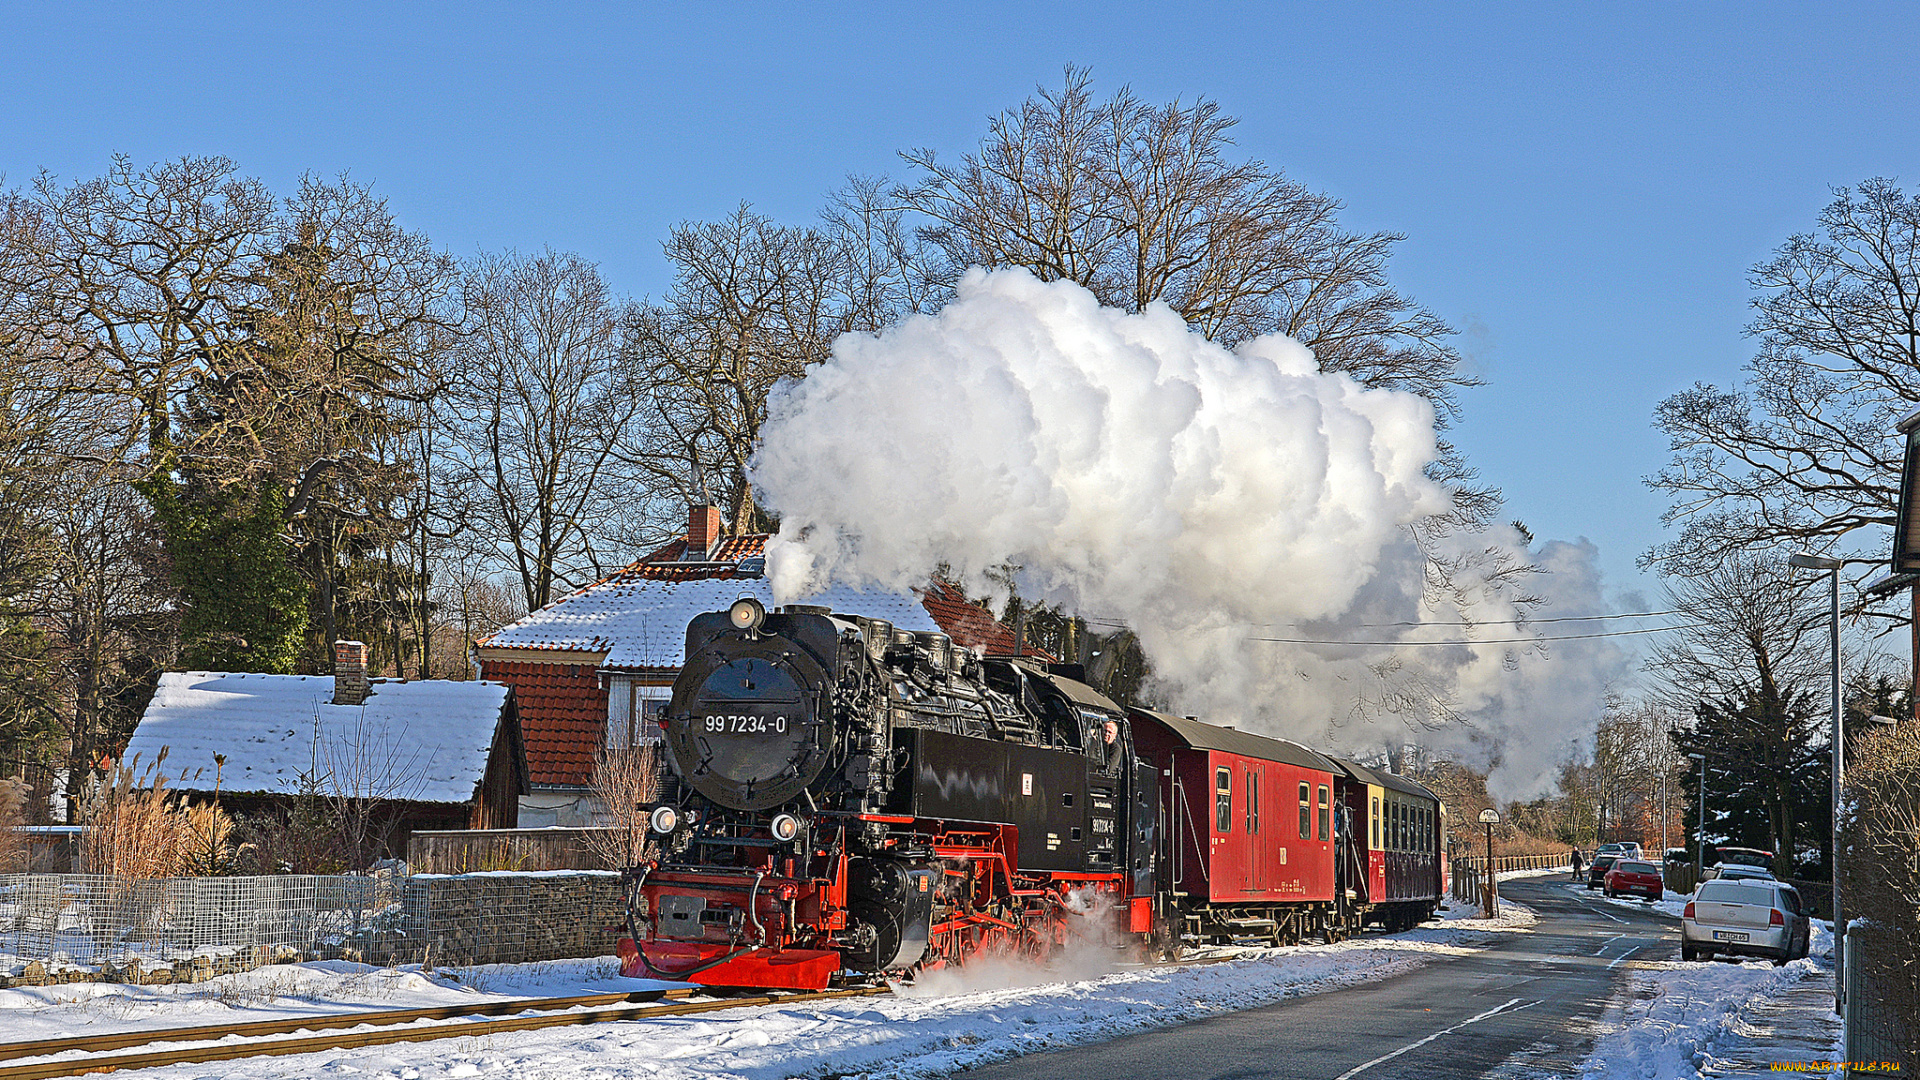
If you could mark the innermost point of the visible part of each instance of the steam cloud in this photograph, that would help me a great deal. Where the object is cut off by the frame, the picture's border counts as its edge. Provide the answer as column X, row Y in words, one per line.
column 1210, row 500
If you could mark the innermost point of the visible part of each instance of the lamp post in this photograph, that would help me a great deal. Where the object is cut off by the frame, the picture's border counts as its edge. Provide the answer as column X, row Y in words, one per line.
column 1700, row 850
column 1832, row 568
column 1491, row 893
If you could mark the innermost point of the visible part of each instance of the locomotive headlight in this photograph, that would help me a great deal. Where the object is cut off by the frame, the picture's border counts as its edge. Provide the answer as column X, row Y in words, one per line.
column 747, row 614
column 663, row 819
column 785, row 827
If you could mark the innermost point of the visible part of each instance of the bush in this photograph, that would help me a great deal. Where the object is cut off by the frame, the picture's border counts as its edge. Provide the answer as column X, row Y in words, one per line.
column 624, row 780
column 138, row 829
column 14, row 795
column 1880, row 872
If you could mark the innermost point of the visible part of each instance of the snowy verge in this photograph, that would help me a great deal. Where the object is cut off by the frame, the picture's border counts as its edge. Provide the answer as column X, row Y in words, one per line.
column 930, row 1029
column 1681, row 1017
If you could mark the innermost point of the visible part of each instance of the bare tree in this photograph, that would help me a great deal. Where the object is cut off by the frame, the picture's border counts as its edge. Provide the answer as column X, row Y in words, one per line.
column 1747, row 667
column 752, row 303
column 1805, row 452
column 1144, row 204
column 140, row 271
column 1747, row 629
column 541, row 399
column 365, row 773
column 625, row 781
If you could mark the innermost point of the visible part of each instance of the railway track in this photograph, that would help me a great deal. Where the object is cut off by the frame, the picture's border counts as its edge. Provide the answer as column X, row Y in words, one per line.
column 397, row 1026
column 276, row 1038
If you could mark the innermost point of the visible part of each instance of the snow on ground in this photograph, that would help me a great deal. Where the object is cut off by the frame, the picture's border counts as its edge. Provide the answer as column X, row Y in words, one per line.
column 1680, row 1019
column 989, row 1014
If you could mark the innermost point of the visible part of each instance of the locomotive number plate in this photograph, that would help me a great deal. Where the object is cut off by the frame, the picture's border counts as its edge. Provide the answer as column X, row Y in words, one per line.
column 744, row 724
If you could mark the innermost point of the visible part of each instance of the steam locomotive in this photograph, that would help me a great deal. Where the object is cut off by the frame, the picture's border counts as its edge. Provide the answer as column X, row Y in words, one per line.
column 850, row 799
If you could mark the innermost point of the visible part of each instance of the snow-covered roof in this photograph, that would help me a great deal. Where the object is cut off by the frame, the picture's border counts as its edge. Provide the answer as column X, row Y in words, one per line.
column 642, row 623
column 423, row 741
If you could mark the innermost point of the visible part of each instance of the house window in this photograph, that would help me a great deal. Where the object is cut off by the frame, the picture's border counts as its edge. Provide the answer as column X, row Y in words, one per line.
column 633, row 712
column 1326, row 814
column 1223, row 800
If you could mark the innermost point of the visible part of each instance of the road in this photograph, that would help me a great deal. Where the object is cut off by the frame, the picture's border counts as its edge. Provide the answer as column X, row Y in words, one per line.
column 1522, row 1006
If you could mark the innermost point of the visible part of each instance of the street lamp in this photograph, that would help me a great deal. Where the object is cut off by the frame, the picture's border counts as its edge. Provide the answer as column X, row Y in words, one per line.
column 1491, row 817
column 1832, row 567
column 1700, row 854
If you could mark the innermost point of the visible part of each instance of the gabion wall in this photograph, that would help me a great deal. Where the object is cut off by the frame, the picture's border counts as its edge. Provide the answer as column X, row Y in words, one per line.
column 82, row 927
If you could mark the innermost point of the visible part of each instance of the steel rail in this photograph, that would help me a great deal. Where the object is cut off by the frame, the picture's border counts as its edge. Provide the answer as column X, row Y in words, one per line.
column 545, row 1009
column 289, row 1025
column 353, row 1040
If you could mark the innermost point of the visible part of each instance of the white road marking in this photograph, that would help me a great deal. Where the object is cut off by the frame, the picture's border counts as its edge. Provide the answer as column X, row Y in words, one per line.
column 1597, row 911
column 1358, row 1069
column 1623, row 957
column 1609, row 941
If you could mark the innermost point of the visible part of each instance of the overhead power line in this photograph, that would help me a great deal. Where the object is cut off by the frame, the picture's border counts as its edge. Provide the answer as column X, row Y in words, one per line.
column 1484, row 641
column 1467, row 622
column 1511, row 622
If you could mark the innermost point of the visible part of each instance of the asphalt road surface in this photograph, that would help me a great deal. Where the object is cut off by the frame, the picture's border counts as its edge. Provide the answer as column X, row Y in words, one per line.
column 1522, row 1006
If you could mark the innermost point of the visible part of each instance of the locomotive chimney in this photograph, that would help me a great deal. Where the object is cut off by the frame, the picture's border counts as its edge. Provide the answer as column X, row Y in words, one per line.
column 703, row 533
column 349, row 672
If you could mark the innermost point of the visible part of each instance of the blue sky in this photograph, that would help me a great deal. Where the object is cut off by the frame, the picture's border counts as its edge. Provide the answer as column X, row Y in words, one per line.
column 1582, row 193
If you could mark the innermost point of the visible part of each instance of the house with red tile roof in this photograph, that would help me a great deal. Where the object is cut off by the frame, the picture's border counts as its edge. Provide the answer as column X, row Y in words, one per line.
column 594, row 669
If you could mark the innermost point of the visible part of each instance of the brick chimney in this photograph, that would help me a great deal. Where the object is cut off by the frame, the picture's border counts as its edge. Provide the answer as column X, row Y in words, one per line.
column 703, row 533
column 349, row 673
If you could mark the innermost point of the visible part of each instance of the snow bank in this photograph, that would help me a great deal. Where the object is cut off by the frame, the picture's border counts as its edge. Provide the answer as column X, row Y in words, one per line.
column 1683, row 1018
column 882, row 1038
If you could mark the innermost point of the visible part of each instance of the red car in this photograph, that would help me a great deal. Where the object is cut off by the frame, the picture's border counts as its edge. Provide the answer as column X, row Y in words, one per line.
column 1630, row 876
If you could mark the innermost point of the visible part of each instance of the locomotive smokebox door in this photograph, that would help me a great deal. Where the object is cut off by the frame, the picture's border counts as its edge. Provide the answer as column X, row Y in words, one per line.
column 744, row 726
column 895, row 902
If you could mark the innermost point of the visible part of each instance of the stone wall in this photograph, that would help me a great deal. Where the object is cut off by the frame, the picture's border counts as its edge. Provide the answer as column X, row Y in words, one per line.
column 508, row 918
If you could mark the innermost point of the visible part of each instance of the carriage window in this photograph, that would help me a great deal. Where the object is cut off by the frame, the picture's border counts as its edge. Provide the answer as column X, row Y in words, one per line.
column 1253, row 803
column 1326, row 815
column 1223, row 800
column 1399, row 827
column 1306, row 811
column 1375, row 819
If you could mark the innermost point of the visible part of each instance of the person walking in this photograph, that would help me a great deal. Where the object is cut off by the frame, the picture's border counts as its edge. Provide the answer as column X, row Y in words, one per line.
column 1576, row 864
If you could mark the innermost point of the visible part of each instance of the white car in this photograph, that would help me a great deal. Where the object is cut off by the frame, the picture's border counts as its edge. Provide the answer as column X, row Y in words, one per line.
column 1733, row 871
column 1745, row 918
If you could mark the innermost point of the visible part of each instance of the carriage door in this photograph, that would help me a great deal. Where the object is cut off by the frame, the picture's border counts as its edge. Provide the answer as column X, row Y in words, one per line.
column 1256, row 851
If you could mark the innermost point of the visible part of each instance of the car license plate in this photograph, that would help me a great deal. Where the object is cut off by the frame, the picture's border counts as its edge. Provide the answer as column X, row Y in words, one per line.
column 1728, row 935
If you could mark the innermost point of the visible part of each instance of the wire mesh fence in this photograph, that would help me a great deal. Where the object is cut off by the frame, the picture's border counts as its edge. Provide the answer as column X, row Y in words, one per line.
column 201, row 926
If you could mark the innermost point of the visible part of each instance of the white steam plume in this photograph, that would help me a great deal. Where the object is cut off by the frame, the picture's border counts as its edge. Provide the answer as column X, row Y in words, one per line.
column 1136, row 471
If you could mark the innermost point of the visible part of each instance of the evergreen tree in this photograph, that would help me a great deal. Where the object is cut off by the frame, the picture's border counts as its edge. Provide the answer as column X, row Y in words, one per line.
column 244, row 605
column 1766, row 778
